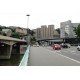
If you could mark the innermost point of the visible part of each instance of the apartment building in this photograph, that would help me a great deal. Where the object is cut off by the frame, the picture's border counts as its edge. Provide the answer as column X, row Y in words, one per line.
column 66, row 29
column 38, row 33
column 43, row 31
column 50, row 31
column 46, row 32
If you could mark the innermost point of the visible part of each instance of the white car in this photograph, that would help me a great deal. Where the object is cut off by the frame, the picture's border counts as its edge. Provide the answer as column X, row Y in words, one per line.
column 78, row 47
column 36, row 45
column 68, row 45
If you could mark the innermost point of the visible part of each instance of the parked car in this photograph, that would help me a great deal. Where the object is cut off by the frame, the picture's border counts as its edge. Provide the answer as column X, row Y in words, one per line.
column 56, row 46
column 78, row 47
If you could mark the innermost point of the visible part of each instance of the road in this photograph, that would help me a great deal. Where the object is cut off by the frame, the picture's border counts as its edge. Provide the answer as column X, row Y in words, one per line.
column 69, row 52
column 46, row 56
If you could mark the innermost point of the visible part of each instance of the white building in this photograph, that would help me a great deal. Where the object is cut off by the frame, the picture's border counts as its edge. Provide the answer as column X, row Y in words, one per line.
column 8, row 32
column 66, row 29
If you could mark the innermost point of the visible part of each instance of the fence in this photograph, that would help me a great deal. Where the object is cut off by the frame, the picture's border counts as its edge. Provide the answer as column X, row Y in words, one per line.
column 24, row 61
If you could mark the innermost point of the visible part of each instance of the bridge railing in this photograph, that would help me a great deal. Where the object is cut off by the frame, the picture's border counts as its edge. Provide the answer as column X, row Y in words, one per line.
column 24, row 61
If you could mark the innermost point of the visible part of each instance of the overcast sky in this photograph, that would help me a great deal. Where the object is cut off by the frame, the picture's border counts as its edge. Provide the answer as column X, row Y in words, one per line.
column 42, row 12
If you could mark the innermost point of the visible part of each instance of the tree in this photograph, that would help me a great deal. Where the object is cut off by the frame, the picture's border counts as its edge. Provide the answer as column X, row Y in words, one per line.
column 30, row 32
column 4, row 34
column 33, row 40
column 0, row 28
column 58, row 30
column 15, row 35
column 77, row 31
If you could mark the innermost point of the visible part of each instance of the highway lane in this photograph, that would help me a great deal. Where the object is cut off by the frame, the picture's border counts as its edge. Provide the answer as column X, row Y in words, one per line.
column 69, row 52
column 45, row 56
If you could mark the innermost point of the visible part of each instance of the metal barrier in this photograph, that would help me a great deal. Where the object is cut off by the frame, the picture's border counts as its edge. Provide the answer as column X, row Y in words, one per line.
column 24, row 61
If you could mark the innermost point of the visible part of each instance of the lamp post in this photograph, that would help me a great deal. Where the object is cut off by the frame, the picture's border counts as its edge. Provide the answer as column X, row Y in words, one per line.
column 28, row 37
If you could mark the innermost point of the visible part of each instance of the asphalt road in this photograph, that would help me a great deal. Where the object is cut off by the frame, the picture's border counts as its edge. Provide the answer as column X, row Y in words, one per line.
column 71, row 52
column 46, row 56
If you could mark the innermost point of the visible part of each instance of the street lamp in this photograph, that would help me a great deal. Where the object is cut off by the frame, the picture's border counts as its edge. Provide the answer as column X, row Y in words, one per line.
column 28, row 37
column 27, row 20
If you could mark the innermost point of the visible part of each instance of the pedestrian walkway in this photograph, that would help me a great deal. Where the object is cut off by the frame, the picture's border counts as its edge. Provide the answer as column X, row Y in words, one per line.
column 40, row 56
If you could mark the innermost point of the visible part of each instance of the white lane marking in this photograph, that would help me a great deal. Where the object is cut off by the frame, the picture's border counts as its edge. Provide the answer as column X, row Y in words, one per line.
column 73, row 51
column 66, row 57
column 65, row 50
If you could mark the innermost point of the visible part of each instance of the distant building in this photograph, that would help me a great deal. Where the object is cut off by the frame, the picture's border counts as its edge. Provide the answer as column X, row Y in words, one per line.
column 8, row 32
column 56, row 34
column 66, row 29
column 35, row 30
column 50, row 31
column 46, row 32
column 12, row 27
column 43, row 32
column 38, row 33
column 22, row 31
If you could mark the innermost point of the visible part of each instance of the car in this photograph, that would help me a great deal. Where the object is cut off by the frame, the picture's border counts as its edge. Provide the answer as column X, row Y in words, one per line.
column 78, row 47
column 56, row 46
column 68, row 45
column 36, row 45
column 65, row 45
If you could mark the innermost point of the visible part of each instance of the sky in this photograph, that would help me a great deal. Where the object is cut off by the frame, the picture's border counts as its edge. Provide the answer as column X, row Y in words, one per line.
column 42, row 12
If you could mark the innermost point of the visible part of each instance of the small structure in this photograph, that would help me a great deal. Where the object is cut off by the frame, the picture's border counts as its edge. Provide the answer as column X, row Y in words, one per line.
column 8, row 32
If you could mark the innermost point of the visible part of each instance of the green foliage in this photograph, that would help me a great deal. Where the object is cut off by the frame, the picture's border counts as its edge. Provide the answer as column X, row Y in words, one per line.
column 33, row 40
column 58, row 30
column 15, row 35
column 30, row 32
column 0, row 28
column 13, row 30
column 77, row 31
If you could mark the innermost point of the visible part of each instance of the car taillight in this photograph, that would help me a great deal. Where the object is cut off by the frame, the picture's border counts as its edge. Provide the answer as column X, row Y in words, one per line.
column 55, row 46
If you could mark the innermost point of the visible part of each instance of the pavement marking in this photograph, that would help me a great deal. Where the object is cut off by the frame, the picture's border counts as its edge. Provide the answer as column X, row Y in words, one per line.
column 65, row 56
column 65, row 50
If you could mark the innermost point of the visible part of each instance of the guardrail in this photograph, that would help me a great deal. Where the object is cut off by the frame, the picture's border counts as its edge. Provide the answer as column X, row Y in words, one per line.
column 24, row 61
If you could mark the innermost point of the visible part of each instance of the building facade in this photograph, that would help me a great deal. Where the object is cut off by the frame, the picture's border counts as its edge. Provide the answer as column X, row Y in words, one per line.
column 8, row 32
column 43, row 32
column 67, row 29
column 38, row 33
column 50, row 31
column 46, row 32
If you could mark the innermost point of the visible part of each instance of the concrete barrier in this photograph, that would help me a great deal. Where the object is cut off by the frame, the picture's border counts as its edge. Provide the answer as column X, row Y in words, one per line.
column 24, row 61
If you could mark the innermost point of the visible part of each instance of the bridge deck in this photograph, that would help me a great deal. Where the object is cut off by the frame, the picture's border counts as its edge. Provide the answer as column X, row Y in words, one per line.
column 10, row 39
column 40, row 56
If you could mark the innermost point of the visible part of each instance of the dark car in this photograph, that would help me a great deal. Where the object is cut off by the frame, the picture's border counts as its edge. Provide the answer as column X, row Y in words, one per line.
column 64, row 46
column 78, row 47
